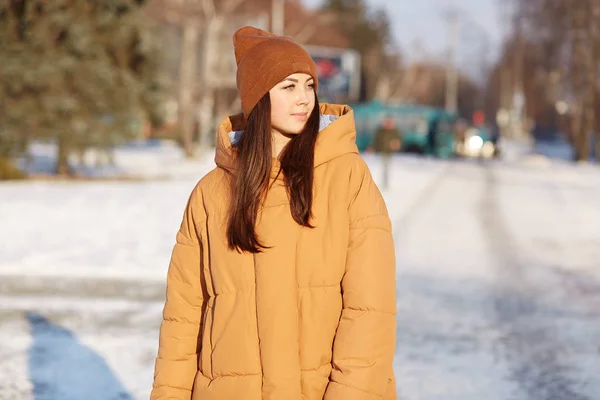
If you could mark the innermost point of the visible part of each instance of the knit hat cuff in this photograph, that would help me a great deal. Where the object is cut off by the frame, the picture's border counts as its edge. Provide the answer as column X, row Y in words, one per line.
column 276, row 74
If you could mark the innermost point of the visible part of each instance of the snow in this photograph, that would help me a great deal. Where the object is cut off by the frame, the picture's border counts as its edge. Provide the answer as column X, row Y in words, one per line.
column 498, row 284
column 127, row 229
column 83, row 264
column 16, row 339
column 155, row 159
column 551, row 204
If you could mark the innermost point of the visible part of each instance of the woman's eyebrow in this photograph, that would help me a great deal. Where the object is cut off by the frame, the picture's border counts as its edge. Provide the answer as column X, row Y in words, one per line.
column 296, row 80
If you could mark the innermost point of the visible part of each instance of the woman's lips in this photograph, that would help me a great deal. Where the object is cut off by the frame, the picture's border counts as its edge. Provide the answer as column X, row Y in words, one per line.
column 300, row 116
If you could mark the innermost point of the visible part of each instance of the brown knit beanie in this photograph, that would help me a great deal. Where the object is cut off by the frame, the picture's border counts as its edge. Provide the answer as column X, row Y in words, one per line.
column 263, row 60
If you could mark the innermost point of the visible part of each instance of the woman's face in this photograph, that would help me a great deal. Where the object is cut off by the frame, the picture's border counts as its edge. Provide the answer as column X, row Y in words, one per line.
column 292, row 102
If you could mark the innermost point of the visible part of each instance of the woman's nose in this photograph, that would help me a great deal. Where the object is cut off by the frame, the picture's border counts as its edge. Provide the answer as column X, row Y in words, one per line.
column 303, row 97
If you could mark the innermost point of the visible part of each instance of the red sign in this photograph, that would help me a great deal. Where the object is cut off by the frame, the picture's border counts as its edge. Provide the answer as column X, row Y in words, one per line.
column 478, row 118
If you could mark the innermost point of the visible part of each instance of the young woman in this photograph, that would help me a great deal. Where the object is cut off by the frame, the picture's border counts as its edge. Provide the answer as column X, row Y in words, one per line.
column 281, row 284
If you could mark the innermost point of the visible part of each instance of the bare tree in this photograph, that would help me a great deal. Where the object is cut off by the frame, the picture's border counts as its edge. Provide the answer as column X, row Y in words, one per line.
column 564, row 37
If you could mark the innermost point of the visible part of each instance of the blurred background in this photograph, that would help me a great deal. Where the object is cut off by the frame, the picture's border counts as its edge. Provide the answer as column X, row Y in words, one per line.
column 479, row 120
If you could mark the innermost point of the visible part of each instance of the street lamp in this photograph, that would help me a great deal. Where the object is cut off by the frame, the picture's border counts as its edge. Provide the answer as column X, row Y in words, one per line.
column 562, row 107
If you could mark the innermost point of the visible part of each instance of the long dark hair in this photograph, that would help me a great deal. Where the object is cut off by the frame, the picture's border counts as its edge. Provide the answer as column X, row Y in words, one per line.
column 251, row 182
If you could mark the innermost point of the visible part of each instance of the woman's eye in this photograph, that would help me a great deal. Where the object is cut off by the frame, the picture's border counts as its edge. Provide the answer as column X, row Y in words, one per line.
column 312, row 86
column 289, row 87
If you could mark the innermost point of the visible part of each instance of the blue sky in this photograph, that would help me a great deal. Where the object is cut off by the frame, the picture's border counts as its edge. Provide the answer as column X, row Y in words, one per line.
column 420, row 28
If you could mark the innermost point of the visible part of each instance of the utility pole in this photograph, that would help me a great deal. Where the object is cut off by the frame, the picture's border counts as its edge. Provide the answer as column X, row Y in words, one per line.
column 278, row 17
column 518, row 91
column 504, row 114
column 451, row 68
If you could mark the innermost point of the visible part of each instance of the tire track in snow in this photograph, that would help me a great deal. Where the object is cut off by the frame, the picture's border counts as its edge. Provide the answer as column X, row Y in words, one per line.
column 429, row 191
column 530, row 341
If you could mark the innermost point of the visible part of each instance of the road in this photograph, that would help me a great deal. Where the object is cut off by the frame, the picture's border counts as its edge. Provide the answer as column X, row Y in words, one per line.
column 482, row 312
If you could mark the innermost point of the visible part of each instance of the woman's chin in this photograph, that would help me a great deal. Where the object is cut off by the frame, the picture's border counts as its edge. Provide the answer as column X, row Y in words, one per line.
column 290, row 132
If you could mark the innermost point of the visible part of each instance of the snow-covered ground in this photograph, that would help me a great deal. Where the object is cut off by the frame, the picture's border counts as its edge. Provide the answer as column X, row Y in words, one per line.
column 123, row 229
column 499, row 285
column 498, row 277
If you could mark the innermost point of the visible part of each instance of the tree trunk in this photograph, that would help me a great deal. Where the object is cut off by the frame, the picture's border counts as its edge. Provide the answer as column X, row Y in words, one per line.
column 582, row 149
column 187, row 84
column 596, row 137
column 594, row 18
column 590, row 87
column 63, row 167
column 579, row 76
column 212, row 52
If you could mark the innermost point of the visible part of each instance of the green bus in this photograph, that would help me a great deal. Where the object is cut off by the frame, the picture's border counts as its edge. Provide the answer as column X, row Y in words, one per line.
column 424, row 129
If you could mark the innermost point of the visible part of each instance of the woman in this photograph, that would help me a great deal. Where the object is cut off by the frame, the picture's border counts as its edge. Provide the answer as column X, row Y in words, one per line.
column 282, row 281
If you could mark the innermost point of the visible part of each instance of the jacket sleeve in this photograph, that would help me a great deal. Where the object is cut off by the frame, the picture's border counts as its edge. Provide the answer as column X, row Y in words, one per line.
column 179, row 344
column 365, row 340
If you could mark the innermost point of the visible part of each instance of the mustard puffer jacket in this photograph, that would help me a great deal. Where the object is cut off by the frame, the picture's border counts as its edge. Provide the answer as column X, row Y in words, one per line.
column 310, row 318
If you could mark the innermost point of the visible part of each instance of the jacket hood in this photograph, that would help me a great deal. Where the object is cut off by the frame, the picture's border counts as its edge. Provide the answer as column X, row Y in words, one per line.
column 337, row 137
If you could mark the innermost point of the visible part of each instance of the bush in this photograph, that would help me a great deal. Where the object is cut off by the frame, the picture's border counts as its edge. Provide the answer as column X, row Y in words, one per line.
column 8, row 171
